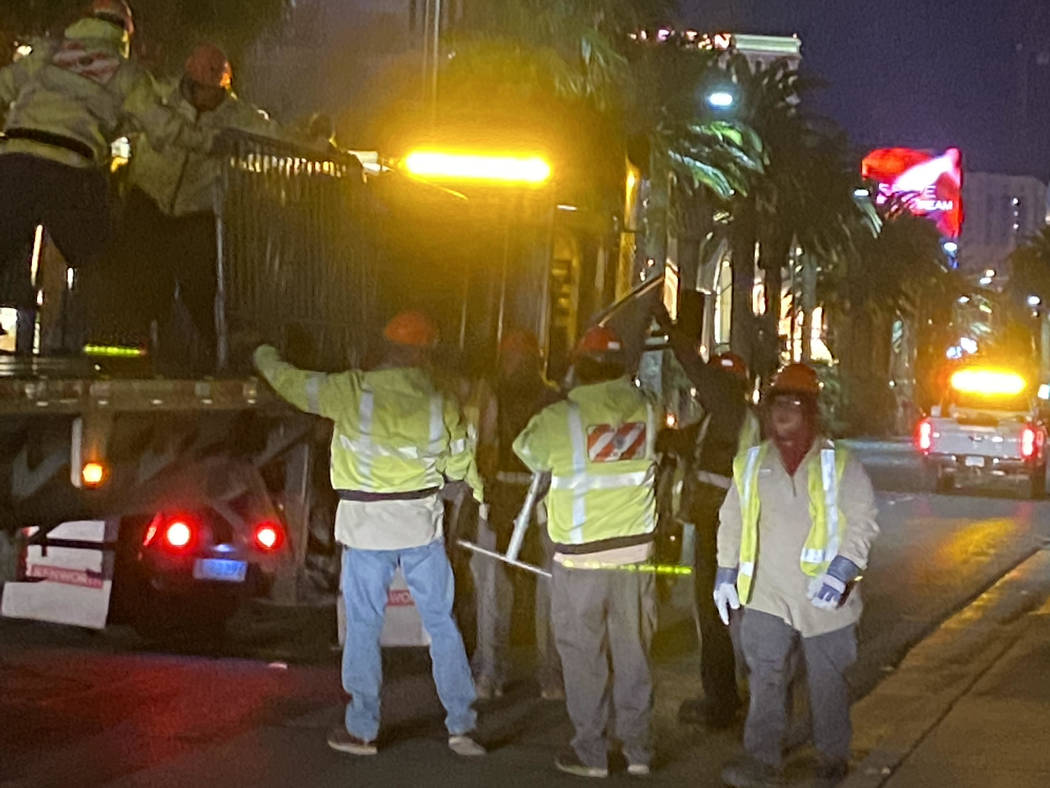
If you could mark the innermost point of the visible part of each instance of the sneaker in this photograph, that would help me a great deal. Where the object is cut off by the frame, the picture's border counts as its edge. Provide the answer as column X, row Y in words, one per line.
column 570, row 763
column 488, row 689
column 341, row 739
column 465, row 745
column 639, row 769
column 748, row 772
column 552, row 693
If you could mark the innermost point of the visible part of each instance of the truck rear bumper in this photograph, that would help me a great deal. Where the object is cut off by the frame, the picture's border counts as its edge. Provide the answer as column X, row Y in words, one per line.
column 965, row 465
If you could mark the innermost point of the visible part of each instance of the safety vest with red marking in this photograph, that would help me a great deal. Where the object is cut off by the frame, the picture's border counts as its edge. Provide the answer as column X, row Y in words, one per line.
column 598, row 447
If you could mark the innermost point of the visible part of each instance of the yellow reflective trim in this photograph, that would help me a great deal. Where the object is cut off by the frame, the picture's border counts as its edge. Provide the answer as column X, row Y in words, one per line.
column 114, row 351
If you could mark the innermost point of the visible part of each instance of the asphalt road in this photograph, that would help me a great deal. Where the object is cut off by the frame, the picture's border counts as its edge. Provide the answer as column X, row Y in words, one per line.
column 82, row 708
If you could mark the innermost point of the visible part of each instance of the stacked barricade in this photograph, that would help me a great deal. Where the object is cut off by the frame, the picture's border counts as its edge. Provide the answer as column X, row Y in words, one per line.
column 297, row 254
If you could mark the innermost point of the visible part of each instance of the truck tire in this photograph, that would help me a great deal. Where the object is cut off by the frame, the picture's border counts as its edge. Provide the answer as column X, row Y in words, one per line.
column 198, row 620
column 1037, row 483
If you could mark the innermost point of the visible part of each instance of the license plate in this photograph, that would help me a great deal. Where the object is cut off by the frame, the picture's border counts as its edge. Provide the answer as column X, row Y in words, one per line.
column 975, row 462
column 220, row 569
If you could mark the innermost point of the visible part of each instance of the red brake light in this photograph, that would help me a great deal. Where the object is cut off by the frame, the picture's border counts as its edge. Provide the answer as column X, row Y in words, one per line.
column 1029, row 442
column 268, row 536
column 924, row 439
column 176, row 532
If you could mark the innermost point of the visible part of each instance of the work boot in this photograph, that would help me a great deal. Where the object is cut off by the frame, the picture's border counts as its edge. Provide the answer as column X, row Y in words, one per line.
column 830, row 773
column 747, row 772
column 339, row 738
column 702, row 711
column 464, row 744
column 570, row 763
column 486, row 688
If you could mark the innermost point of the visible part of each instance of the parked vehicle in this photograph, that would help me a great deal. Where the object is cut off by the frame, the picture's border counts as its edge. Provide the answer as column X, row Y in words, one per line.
column 986, row 427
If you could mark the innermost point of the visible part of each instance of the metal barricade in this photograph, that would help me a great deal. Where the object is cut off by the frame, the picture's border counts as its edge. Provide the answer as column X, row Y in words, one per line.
column 296, row 250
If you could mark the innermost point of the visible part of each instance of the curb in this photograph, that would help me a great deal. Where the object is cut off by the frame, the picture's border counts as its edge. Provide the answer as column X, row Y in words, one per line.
column 891, row 721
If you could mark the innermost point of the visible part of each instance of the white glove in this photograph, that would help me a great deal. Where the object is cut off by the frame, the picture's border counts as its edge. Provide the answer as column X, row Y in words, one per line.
column 726, row 597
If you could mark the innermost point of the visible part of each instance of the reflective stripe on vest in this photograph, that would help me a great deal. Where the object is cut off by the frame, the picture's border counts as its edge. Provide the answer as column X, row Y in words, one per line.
column 366, row 450
column 581, row 482
column 313, row 391
column 827, row 524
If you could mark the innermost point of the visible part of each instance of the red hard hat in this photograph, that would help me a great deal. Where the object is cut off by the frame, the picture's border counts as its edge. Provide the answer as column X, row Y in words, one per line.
column 208, row 65
column 411, row 328
column 599, row 342
column 730, row 362
column 116, row 11
column 796, row 379
column 520, row 343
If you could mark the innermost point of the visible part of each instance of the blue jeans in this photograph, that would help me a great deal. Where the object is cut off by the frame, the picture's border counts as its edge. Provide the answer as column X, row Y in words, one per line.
column 367, row 575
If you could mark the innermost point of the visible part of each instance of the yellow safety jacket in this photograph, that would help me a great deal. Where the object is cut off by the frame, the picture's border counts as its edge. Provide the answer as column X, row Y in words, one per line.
column 182, row 182
column 828, row 524
column 598, row 447
column 82, row 92
column 394, row 432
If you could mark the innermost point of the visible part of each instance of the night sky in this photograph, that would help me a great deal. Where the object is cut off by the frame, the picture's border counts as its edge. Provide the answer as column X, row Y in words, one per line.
column 922, row 73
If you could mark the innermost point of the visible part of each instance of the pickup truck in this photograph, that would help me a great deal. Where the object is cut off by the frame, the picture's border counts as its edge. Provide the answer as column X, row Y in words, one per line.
column 985, row 428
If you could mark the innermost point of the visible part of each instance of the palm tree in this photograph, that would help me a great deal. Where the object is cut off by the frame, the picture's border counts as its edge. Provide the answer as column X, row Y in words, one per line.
column 803, row 197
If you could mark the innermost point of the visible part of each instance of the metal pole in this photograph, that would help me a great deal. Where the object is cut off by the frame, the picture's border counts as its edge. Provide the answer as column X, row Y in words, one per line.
column 500, row 557
column 521, row 522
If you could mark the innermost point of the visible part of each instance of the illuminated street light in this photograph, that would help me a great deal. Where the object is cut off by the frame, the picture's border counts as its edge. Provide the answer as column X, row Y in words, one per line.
column 721, row 99
column 1034, row 300
column 951, row 247
column 989, row 272
column 985, row 281
column 531, row 170
column 964, row 299
column 861, row 193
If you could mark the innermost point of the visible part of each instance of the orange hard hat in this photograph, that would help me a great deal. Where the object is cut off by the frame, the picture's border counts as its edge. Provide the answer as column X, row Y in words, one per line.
column 208, row 65
column 116, row 11
column 796, row 379
column 520, row 343
column 599, row 342
column 411, row 328
column 730, row 362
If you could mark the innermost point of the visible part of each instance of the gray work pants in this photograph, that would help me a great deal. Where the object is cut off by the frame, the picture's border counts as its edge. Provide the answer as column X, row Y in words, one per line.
column 767, row 643
column 495, row 588
column 602, row 616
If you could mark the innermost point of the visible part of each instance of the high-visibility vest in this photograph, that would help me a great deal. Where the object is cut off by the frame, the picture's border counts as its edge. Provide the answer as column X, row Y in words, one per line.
column 70, row 98
column 598, row 447
column 395, row 432
column 750, row 435
column 181, row 182
column 828, row 524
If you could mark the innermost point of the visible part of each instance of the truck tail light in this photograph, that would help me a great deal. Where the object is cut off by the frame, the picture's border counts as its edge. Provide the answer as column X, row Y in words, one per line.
column 175, row 532
column 924, row 435
column 1029, row 442
column 268, row 536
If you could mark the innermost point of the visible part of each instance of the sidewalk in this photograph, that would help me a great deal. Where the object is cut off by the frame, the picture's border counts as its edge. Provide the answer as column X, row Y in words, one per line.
column 970, row 705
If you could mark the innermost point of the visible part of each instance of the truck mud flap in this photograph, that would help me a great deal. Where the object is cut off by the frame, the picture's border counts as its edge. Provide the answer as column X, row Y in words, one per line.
column 67, row 581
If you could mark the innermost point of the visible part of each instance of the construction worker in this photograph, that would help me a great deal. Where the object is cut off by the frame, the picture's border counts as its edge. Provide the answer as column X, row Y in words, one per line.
column 396, row 440
column 520, row 393
column 796, row 529
column 169, row 220
column 708, row 448
column 65, row 103
column 598, row 446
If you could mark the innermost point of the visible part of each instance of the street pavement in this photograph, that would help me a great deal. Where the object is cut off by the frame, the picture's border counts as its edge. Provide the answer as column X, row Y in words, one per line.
column 104, row 708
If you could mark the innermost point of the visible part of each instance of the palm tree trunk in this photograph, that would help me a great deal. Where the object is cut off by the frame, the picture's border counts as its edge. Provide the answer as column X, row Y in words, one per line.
column 773, row 254
column 743, row 236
